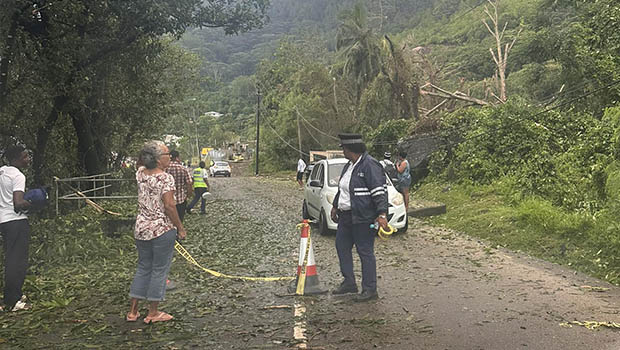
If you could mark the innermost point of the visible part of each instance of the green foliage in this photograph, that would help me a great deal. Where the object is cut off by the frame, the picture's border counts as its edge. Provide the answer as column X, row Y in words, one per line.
column 358, row 48
column 384, row 138
column 295, row 87
column 541, row 216
column 559, row 156
column 107, row 67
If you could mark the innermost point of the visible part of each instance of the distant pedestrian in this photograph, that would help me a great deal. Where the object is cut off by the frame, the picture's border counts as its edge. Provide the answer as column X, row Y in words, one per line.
column 201, row 185
column 183, row 185
column 182, row 182
column 361, row 201
column 301, row 167
column 14, row 226
column 390, row 168
column 155, row 232
column 404, row 176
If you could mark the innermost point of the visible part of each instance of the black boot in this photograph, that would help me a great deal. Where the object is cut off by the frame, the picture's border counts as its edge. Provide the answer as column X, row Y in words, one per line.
column 345, row 288
column 366, row 295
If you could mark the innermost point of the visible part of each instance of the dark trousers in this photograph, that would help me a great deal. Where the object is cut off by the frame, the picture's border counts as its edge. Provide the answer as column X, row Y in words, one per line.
column 198, row 191
column 363, row 237
column 181, row 209
column 16, row 237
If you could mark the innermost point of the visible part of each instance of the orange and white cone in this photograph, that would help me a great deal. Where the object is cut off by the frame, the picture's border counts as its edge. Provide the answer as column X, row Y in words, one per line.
column 307, row 281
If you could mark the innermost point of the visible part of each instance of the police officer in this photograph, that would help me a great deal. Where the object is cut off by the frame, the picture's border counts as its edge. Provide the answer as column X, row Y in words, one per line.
column 201, row 184
column 361, row 201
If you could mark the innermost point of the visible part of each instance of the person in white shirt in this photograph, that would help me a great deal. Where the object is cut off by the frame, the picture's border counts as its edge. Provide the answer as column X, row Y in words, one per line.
column 14, row 226
column 301, row 167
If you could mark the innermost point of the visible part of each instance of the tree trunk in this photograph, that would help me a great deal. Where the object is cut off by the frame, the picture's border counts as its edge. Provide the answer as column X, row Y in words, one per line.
column 43, row 134
column 5, row 60
column 415, row 98
column 89, row 150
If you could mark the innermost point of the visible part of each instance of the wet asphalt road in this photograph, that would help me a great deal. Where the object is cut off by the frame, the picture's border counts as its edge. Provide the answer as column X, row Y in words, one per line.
column 438, row 289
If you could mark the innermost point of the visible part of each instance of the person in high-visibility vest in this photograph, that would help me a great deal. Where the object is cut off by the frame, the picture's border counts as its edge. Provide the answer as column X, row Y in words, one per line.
column 201, row 185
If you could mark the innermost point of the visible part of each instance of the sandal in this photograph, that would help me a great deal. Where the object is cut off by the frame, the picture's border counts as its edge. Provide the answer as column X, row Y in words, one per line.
column 134, row 318
column 160, row 317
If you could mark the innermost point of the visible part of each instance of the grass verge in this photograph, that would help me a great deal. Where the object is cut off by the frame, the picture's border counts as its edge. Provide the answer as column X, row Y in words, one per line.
column 587, row 243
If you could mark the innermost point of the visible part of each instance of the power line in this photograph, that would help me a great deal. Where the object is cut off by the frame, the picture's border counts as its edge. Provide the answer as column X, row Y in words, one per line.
column 268, row 122
column 314, row 127
column 314, row 138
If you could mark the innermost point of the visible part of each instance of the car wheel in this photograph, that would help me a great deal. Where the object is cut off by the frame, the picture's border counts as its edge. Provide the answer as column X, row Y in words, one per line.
column 323, row 229
column 404, row 229
column 304, row 211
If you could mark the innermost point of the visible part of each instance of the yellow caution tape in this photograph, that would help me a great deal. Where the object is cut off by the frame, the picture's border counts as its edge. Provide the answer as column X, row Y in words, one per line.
column 591, row 324
column 385, row 234
column 184, row 253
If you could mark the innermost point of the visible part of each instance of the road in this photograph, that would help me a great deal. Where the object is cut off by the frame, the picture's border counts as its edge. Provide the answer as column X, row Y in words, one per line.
column 438, row 289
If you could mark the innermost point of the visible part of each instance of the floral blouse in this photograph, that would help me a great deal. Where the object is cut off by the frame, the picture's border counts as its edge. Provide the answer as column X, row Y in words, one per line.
column 152, row 221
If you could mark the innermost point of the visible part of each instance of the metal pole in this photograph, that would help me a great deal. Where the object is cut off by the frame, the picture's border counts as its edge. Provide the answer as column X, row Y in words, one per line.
column 257, row 129
column 299, row 135
column 56, row 182
column 196, row 128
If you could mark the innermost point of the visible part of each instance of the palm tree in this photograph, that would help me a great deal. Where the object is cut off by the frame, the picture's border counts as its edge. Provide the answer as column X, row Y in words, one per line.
column 359, row 48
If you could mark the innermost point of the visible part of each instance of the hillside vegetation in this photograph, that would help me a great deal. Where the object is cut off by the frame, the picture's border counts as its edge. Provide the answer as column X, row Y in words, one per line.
column 530, row 158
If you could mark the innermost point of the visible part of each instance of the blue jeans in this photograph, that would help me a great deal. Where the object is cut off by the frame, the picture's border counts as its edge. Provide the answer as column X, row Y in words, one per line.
column 363, row 237
column 198, row 191
column 154, row 258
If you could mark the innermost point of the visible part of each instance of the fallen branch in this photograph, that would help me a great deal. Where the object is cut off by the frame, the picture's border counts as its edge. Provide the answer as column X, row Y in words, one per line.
column 432, row 110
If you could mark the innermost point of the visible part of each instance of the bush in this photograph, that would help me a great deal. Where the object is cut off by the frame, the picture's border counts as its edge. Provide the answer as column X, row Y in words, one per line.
column 561, row 157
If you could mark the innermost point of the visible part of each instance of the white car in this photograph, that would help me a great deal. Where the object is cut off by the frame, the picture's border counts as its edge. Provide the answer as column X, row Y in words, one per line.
column 322, row 186
column 220, row 168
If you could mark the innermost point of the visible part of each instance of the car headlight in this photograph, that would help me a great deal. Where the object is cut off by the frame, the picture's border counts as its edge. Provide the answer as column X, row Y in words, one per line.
column 330, row 198
column 397, row 200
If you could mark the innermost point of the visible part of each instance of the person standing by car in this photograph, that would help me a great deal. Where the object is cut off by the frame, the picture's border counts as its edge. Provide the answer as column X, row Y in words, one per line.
column 301, row 167
column 201, row 184
column 14, row 226
column 404, row 176
column 361, row 200
column 390, row 168
column 182, row 182
column 155, row 232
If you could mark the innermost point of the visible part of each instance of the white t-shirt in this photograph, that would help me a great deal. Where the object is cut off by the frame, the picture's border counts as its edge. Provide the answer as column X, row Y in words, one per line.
column 344, row 201
column 11, row 180
column 301, row 165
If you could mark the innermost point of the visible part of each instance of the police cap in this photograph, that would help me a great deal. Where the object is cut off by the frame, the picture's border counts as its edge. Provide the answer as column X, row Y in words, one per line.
column 350, row 139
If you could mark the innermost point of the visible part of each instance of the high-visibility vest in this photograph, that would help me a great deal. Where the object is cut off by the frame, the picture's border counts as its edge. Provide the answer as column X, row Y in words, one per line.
column 198, row 180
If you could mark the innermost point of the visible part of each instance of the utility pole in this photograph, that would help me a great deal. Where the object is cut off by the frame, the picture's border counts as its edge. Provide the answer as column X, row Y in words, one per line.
column 196, row 126
column 299, row 134
column 257, row 128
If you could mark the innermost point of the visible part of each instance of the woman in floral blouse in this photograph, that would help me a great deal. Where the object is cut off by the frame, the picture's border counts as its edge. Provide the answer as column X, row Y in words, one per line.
column 155, row 231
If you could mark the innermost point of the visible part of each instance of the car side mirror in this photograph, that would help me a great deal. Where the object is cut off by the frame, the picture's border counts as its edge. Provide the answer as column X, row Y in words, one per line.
column 315, row 183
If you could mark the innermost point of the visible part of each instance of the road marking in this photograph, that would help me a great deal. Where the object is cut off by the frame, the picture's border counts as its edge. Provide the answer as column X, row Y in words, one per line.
column 300, row 326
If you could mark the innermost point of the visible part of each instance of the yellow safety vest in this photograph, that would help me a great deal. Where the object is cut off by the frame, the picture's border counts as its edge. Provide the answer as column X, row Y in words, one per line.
column 198, row 180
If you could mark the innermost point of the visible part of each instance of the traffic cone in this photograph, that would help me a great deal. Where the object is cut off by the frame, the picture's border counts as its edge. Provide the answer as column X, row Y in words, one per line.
column 307, row 281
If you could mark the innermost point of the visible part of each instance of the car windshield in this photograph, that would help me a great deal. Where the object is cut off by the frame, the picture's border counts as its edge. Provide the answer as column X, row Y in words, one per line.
column 221, row 164
column 333, row 175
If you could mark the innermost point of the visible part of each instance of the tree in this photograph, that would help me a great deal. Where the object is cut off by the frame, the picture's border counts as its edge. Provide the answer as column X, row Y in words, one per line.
column 359, row 48
column 70, row 52
column 500, row 57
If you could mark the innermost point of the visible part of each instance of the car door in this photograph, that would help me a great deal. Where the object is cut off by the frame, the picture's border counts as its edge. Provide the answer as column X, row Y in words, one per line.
column 314, row 190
